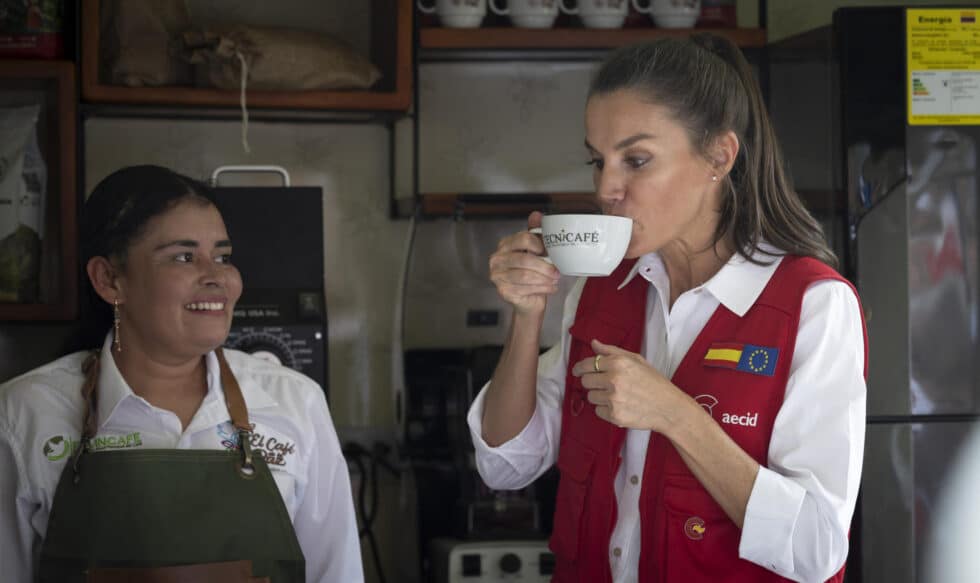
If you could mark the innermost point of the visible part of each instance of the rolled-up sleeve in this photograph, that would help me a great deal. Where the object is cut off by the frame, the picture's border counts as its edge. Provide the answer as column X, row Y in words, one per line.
column 521, row 460
column 799, row 512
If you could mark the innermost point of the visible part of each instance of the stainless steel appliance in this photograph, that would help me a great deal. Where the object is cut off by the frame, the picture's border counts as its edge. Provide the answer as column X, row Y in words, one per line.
column 912, row 191
column 277, row 242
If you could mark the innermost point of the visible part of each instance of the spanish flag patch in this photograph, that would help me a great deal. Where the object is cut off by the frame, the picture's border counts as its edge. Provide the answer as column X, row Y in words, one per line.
column 743, row 357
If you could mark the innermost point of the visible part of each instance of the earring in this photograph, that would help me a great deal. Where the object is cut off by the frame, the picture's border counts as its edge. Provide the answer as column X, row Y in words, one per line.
column 714, row 178
column 116, row 344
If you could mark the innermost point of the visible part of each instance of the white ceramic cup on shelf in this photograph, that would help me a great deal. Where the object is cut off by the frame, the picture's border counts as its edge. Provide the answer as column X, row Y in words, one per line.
column 671, row 13
column 585, row 245
column 599, row 13
column 529, row 13
column 456, row 13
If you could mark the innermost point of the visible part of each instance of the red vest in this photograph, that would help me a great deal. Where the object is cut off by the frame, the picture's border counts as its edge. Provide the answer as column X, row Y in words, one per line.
column 685, row 535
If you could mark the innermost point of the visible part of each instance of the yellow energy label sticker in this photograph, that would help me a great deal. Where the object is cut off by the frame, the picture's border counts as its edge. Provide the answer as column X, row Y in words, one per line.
column 943, row 66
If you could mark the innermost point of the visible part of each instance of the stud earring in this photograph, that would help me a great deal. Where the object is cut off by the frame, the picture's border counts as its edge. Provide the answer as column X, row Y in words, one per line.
column 714, row 178
column 116, row 343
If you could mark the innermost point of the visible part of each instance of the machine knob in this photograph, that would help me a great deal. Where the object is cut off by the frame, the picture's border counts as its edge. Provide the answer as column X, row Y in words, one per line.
column 510, row 563
column 268, row 347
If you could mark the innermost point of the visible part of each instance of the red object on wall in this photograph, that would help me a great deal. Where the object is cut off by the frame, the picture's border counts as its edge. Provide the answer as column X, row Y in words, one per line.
column 717, row 14
column 32, row 29
column 48, row 45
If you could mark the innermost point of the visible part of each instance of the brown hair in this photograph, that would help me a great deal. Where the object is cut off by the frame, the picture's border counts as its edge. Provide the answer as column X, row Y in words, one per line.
column 708, row 86
column 114, row 216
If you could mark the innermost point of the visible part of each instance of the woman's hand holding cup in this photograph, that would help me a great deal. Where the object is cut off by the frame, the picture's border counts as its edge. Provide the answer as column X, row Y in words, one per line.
column 524, row 278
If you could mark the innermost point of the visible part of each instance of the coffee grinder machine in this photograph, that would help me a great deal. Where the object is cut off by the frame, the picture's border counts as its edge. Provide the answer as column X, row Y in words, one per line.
column 466, row 528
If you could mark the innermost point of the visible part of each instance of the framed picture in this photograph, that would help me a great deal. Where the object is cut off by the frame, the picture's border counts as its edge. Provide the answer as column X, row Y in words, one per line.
column 38, row 190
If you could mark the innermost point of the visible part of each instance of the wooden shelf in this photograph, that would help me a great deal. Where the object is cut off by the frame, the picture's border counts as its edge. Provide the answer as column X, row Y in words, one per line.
column 569, row 38
column 509, row 205
column 50, row 84
column 391, row 53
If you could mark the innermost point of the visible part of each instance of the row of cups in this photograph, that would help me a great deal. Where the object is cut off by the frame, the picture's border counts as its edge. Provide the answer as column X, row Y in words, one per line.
column 542, row 13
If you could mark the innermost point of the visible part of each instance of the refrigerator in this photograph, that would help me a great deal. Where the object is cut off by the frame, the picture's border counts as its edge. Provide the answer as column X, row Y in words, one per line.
column 909, row 87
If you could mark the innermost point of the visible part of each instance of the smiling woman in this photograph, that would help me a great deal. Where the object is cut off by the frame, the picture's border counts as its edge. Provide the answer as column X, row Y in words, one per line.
column 203, row 498
column 177, row 290
column 133, row 232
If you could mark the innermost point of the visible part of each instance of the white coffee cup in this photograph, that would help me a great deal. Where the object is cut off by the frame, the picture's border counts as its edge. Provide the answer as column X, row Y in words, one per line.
column 585, row 245
column 457, row 13
column 599, row 13
column 529, row 13
column 671, row 13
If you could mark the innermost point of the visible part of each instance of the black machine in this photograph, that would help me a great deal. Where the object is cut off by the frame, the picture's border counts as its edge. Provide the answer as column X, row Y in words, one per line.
column 453, row 501
column 277, row 238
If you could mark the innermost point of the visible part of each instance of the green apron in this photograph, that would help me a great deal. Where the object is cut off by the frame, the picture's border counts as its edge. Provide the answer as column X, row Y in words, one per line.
column 169, row 515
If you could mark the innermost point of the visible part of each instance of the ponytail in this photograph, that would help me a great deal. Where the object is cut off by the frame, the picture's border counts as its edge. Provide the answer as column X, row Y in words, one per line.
column 710, row 88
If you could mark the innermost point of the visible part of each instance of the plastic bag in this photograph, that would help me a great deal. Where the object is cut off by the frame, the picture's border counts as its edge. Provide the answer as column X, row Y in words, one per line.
column 23, row 184
column 139, row 42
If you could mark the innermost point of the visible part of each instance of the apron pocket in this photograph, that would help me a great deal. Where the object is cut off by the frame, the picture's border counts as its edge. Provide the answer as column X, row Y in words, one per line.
column 226, row 572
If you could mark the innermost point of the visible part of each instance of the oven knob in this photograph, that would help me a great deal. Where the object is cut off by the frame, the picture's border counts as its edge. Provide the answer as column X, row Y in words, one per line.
column 510, row 563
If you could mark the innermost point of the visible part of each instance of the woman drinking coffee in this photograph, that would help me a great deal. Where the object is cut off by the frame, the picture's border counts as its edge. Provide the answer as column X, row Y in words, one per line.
column 705, row 405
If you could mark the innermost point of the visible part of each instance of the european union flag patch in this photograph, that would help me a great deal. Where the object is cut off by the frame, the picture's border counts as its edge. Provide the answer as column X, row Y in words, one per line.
column 759, row 360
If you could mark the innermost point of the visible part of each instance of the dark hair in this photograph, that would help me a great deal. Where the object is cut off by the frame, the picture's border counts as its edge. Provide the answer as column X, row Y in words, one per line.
column 708, row 87
column 114, row 216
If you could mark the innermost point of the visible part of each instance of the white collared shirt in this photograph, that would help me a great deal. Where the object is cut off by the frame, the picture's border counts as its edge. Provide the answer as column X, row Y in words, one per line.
column 799, row 512
column 41, row 415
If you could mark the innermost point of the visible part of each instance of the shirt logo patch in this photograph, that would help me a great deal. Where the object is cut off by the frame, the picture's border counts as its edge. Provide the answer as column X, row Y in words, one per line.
column 694, row 528
column 228, row 435
column 60, row 446
column 760, row 360
column 707, row 403
column 275, row 451
column 747, row 420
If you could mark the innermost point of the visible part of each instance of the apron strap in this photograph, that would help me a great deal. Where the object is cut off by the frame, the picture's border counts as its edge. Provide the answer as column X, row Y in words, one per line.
column 233, row 395
column 238, row 412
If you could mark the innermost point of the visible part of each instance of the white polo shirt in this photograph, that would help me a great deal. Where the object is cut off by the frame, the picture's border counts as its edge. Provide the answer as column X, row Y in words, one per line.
column 41, row 414
column 799, row 512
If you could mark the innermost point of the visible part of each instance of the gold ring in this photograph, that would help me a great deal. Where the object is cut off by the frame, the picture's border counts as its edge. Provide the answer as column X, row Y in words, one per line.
column 595, row 363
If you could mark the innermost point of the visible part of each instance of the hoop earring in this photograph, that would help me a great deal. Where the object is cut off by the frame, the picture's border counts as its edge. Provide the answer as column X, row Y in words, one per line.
column 116, row 343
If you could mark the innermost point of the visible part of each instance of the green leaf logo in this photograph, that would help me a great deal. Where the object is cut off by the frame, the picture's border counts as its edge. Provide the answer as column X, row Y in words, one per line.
column 56, row 448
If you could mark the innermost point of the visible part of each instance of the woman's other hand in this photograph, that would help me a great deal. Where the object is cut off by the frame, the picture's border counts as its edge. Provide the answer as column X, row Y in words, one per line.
column 523, row 278
column 628, row 392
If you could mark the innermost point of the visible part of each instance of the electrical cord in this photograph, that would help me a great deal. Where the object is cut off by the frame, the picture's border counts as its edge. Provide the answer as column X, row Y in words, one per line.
column 356, row 454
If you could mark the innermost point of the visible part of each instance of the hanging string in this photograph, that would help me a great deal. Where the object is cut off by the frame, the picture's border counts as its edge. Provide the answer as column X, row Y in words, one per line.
column 244, row 63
